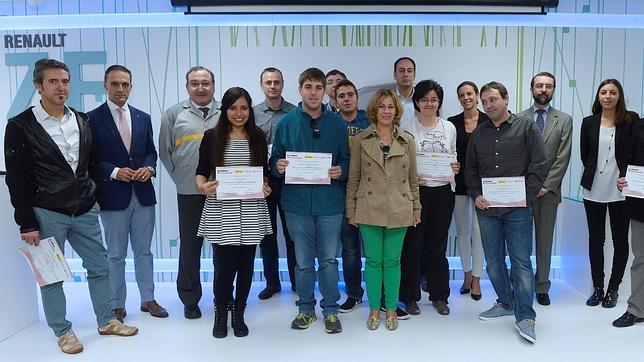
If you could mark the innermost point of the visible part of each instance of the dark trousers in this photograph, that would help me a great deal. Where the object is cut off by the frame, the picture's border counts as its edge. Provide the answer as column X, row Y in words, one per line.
column 188, row 278
column 437, row 208
column 596, row 218
column 351, row 259
column 410, row 266
column 234, row 261
column 268, row 246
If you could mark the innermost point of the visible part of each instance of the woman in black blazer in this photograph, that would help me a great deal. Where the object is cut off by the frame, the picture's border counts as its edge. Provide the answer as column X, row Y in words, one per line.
column 604, row 145
column 467, row 226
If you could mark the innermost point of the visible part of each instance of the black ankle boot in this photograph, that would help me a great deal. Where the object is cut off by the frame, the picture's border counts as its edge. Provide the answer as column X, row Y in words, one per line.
column 240, row 329
column 220, row 329
column 610, row 299
column 596, row 298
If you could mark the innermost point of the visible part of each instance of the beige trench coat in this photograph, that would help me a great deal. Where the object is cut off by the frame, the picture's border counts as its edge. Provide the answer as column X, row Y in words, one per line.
column 383, row 192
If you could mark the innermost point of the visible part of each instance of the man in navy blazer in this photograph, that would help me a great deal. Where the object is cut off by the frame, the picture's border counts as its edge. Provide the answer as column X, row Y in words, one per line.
column 123, row 139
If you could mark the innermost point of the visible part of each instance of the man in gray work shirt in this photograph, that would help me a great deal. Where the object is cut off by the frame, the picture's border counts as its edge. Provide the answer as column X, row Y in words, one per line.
column 182, row 128
column 267, row 114
column 508, row 146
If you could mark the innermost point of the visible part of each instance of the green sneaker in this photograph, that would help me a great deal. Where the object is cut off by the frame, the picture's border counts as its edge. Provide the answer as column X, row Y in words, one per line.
column 332, row 324
column 303, row 320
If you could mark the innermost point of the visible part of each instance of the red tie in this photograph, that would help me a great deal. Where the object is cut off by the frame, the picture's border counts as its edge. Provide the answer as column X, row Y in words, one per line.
column 124, row 129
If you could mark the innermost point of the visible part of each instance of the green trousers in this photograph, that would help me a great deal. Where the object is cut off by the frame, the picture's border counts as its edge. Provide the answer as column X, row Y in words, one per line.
column 382, row 248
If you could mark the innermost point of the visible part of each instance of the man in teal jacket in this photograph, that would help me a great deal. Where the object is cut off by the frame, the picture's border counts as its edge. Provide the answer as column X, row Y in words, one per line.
column 314, row 212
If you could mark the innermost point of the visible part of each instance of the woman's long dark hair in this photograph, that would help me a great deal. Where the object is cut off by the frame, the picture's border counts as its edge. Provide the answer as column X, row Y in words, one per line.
column 621, row 114
column 256, row 138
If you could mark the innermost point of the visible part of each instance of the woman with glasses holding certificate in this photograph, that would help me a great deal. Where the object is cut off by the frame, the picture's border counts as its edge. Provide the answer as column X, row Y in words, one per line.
column 435, row 140
column 382, row 200
column 604, row 149
column 232, row 174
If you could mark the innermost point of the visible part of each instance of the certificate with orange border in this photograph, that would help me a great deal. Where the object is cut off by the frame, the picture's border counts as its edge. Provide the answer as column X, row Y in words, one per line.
column 504, row 191
column 308, row 168
column 240, row 183
column 635, row 180
column 47, row 262
column 435, row 166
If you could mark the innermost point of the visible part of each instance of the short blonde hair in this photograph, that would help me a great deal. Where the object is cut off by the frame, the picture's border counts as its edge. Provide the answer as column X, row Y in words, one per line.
column 374, row 103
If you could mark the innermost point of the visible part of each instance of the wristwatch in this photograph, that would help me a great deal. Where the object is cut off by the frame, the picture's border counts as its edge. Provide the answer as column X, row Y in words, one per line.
column 152, row 171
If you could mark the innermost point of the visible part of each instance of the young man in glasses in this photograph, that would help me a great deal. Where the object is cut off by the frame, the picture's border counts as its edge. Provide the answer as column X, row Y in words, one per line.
column 314, row 212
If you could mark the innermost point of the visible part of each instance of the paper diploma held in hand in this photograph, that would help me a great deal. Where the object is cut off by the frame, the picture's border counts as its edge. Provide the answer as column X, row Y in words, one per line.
column 240, row 183
column 435, row 166
column 308, row 168
column 635, row 180
column 504, row 191
column 47, row 262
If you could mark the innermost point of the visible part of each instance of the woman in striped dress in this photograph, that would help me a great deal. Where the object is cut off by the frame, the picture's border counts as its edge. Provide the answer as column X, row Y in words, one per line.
column 235, row 227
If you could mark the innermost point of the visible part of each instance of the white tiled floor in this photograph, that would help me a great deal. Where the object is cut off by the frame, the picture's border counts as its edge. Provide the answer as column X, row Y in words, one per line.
column 566, row 331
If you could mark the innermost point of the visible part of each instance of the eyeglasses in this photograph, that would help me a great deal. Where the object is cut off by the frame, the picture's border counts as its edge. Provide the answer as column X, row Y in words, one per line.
column 314, row 125
column 544, row 86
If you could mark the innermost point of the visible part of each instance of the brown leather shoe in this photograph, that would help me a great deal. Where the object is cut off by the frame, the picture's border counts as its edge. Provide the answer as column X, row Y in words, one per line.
column 68, row 343
column 117, row 328
column 441, row 307
column 154, row 309
column 120, row 314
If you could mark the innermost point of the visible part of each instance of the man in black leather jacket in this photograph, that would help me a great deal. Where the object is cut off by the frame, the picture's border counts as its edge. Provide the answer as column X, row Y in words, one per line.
column 50, row 170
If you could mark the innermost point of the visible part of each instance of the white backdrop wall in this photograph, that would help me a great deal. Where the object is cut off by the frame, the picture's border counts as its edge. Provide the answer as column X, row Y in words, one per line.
column 159, row 57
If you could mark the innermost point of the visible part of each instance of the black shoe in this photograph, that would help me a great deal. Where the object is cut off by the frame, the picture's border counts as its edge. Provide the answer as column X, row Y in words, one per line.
column 543, row 298
column 596, row 298
column 626, row 320
column 464, row 290
column 240, row 329
column 269, row 291
column 412, row 308
column 400, row 313
column 220, row 328
column 476, row 297
column 192, row 312
column 350, row 304
column 610, row 299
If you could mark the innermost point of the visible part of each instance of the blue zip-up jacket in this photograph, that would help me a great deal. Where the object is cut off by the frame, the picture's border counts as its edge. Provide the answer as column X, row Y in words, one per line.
column 294, row 133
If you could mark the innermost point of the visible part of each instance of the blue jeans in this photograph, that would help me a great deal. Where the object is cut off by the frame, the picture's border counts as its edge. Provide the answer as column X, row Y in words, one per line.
column 351, row 259
column 316, row 236
column 136, row 225
column 512, row 231
column 84, row 235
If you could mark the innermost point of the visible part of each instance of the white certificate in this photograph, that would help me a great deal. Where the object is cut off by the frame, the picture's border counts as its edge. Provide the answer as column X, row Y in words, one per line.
column 239, row 183
column 504, row 191
column 635, row 180
column 47, row 262
column 310, row 168
column 435, row 166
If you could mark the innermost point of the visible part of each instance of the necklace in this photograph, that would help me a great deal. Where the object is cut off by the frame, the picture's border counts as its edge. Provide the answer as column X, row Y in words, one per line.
column 610, row 146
